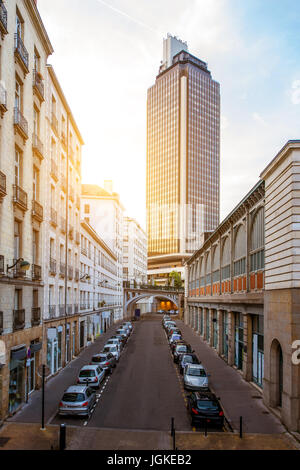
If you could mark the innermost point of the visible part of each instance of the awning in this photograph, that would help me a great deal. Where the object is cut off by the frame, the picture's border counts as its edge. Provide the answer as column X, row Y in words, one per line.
column 19, row 352
column 35, row 347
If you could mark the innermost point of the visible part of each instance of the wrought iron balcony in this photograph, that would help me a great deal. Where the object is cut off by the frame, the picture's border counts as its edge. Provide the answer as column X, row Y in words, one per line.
column 69, row 309
column 21, row 53
column 54, row 170
column 52, row 311
column 18, row 319
column 76, row 309
column 37, row 211
column 83, row 251
column 3, row 99
column 20, row 123
column 62, row 269
column 17, row 272
column 61, row 308
column 38, row 85
column 52, row 266
column 35, row 316
column 3, row 19
column 2, row 264
column 36, row 272
column 2, row 185
column 53, row 217
column 37, row 146
column 63, row 224
column 54, row 123
column 20, row 197
column 1, row 323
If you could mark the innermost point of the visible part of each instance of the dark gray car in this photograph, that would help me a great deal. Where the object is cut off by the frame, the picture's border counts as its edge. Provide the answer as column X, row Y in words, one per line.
column 105, row 360
column 77, row 400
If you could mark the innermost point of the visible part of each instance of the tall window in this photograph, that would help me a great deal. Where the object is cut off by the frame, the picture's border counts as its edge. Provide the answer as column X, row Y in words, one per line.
column 17, row 240
column 34, row 247
column 18, row 160
column 36, row 122
column 19, row 26
column 35, row 184
column 18, row 95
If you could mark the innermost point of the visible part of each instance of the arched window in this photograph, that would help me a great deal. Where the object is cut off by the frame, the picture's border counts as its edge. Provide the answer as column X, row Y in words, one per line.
column 208, row 268
column 239, row 265
column 257, row 241
column 216, row 264
column 225, row 260
column 202, row 272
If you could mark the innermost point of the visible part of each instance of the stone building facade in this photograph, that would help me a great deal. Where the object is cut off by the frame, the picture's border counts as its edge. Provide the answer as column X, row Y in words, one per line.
column 243, row 293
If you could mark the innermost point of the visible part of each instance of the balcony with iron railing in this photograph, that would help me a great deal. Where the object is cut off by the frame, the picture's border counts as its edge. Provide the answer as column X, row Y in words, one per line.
column 54, row 123
column 38, row 85
column 37, row 211
column 83, row 251
column 3, row 99
column 52, row 311
column 63, row 224
column 37, row 146
column 52, row 266
column 69, row 309
column 18, row 319
column 20, row 123
column 3, row 19
column 2, row 185
column 35, row 316
column 61, row 309
column 54, row 170
column 17, row 270
column 53, row 217
column 1, row 323
column 20, row 197
column 36, row 272
column 21, row 53
column 76, row 309
column 62, row 269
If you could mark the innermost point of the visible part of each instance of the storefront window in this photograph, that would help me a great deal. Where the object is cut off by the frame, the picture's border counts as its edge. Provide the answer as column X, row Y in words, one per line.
column 239, row 341
column 59, row 340
column 258, row 349
column 207, row 326
column 16, row 383
column 225, row 334
column 201, row 321
column 216, row 328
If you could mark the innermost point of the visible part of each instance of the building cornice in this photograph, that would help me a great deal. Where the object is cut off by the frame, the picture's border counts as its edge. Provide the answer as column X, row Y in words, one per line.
column 39, row 26
column 286, row 149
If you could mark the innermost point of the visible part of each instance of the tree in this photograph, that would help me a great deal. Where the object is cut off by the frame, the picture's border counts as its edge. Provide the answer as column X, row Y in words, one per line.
column 174, row 279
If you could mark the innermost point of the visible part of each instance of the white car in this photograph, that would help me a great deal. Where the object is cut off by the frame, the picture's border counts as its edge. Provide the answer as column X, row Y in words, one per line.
column 91, row 375
column 116, row 341
column 113, row 349
column 195, row 377
column 127, row 323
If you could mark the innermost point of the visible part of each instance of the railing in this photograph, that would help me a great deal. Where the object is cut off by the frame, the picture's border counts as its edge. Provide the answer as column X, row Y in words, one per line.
column 37, row 145
column 17, row 271
column 3, row 96
column 21, row 50
column 53, row 216
column 20, row 197
column 18, row 319
column 54, row 122
column 84, row 251
column 54, row 170
column 1, row 264
column 76, row 310
column 52, row 267
column 2, row 184
column 20, row 122
column 3, row 16
column 69, row 309
column 61, row 309
column 129, row 285
column 36, row 272
column 52, row 311
column 37, row 210
column 35, row 316
column 62, row 269
column 63, row 224
column 1, row 323
column 38, row 83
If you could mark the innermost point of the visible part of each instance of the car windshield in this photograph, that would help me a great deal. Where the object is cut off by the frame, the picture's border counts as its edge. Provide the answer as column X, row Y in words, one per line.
column 187, row 359
column 72, row 397
column 181, row 348
column 87, row 373
column 99, row 358
column 206, row 404
column 110, row 349
column 196, row 372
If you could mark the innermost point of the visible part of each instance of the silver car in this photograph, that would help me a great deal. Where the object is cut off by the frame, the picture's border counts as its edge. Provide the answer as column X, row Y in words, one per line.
column 113, row 349
column 77, row 400
column 91, row 375
column 195, row 377
column 105, row 360
column 116, row 341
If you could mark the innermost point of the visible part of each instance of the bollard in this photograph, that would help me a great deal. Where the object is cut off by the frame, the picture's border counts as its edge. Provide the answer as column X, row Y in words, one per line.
column 62, row 437
column 241, row 427
column 172, row 426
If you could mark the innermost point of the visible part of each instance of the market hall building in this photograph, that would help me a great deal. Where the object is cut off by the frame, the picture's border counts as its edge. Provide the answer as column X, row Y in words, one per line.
column 243, row 290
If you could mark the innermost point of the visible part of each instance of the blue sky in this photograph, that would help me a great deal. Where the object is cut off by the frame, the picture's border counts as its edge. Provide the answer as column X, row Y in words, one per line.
column 107, row 53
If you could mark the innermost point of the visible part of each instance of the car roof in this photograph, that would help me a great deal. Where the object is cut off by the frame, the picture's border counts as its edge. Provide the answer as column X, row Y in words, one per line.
column 100, row 354
column 205, row 396
column 76, row 389
column 195, row 366
column 91, row 366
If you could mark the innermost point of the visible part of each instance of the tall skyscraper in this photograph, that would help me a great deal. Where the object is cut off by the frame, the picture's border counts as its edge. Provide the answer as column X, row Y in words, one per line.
column 183, row 158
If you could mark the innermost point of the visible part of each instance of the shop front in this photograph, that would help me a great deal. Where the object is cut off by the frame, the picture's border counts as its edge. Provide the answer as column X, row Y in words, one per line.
column 105, row 320
column 258, row 349
column 225, row 334
column 2, row 364
column 239, row 341
column 54, row 345
column 17, row 375
column 215, row 329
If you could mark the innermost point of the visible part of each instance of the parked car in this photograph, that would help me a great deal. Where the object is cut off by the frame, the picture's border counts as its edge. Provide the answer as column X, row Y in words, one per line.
column 122, row 338
column 174, row 337
column 169, row 324
column 174, row 344
column 122, row 331
column 113, row 349
column 204, row 406
column 173, row 331
column 116, row 341
column 126, row 329
column 171, row 312
column 106, row 361
column 179, row 349
column 184, row 359
column 160, row 311
column 129, row 324
column 91, row 375
column 195, row 377
column 77, row 400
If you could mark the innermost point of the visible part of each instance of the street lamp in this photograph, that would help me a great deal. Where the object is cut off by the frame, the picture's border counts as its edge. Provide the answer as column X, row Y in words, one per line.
column 24, row 265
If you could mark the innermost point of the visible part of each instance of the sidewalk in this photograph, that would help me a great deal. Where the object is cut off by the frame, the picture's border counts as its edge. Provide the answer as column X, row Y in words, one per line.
column 237, row 397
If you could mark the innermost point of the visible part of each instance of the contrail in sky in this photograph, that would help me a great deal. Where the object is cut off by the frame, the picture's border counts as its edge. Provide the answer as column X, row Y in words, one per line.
column 120, row 12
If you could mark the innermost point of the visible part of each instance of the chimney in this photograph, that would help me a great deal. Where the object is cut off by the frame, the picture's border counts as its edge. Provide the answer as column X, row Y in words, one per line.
column 108, row 186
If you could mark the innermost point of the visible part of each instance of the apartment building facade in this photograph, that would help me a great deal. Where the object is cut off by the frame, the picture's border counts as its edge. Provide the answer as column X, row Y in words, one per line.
column 98, row 281
column 134, row 252
column 61, row 263
column 103, row 210
column 243, row 292
column 24, row 48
